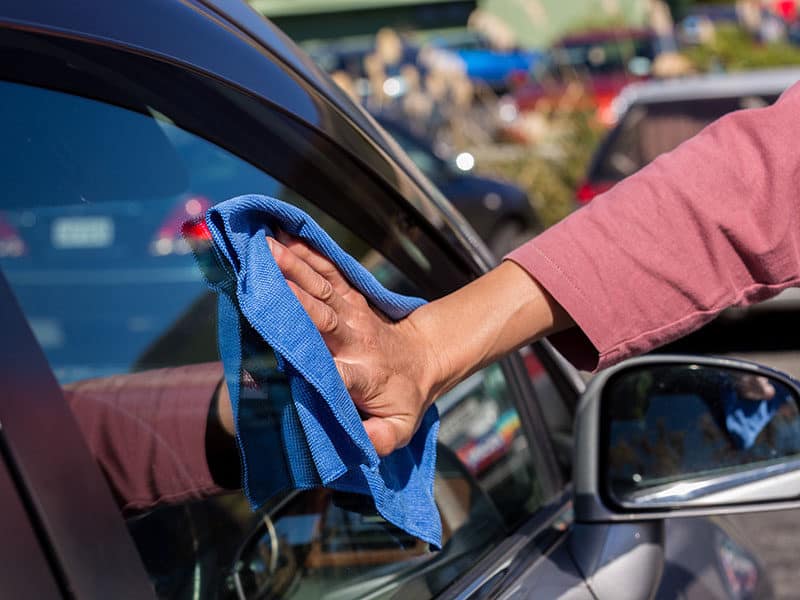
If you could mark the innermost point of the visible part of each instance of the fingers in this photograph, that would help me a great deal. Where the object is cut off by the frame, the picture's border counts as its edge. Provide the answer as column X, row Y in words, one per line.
column 322, row 315
column 352, row 331
column 316, row 261
column 301, row 273
column 387, row 433
column 358, row 380
column 314, row 292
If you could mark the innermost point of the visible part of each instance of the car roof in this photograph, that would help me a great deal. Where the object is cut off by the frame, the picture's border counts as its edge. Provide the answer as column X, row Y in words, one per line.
column 595, row 36
column 700, row 87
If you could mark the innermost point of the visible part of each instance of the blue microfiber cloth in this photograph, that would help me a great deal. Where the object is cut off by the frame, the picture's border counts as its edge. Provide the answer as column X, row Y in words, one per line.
column 314, row 436
column 746, row 419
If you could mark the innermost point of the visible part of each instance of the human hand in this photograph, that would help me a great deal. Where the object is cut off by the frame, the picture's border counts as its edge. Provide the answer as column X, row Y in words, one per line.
column 388, row 367
column 755, row 387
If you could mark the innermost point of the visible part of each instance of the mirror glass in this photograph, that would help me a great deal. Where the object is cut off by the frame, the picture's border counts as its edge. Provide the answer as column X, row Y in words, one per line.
column 682, row 435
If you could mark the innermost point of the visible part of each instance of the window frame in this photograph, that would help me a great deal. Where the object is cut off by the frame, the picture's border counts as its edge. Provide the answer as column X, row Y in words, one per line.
column 68, row 502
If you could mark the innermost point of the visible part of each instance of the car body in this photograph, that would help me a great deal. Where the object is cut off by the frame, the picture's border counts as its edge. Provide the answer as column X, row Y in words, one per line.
column 496, row 68
column 500, row 211
column 217, row 101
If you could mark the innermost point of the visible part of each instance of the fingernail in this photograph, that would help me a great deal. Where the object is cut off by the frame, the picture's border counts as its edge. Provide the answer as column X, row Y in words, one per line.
column 275, row 247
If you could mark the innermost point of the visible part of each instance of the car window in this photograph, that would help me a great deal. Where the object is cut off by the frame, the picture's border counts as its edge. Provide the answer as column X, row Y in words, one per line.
column 602, row 56
column 90, row 244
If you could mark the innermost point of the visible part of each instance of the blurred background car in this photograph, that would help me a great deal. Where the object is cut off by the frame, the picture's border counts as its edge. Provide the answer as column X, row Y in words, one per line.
column 500, row 211
column 601, row 61
column 656, row 116
column 484, row 63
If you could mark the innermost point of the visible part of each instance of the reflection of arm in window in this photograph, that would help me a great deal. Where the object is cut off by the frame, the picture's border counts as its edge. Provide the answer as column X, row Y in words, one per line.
column 150, row 433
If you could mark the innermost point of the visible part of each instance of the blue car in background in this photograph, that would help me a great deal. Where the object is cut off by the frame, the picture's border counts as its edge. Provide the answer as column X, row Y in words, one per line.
column 484, row 64
column 491, row 66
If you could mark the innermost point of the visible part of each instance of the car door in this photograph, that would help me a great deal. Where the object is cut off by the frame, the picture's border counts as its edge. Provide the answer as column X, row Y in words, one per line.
column 108, row 288
column 63, row 534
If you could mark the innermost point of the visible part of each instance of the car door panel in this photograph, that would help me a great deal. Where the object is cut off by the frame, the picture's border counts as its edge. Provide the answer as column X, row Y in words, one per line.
column 24, row 567
column 79, row 520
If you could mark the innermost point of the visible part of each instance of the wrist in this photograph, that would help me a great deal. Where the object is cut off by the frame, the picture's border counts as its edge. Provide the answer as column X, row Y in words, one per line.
column 469, row 329
column 222, row 454
column 432, row 367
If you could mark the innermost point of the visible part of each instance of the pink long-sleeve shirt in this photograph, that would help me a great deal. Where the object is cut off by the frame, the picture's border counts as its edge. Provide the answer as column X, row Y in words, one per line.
column 147, row 432
column 712, row 224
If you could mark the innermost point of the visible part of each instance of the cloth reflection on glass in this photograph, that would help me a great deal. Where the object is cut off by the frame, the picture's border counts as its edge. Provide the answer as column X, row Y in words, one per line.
column 750, row 403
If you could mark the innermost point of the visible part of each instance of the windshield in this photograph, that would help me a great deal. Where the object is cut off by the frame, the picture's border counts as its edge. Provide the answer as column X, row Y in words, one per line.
column 649, row 130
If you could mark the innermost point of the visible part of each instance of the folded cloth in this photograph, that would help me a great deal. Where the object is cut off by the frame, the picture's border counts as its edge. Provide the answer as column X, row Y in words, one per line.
column 313, row 436
column 746, row 418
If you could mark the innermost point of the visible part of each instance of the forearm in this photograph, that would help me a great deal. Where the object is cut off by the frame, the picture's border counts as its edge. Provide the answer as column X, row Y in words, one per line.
column 492, row 316
column 149, row 432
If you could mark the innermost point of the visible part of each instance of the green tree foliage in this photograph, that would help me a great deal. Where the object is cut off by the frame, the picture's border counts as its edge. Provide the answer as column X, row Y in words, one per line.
column 733, row 49
column 551, row 179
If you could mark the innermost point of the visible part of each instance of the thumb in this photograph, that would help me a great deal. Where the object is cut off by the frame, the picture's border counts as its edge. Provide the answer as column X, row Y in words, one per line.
column 387, row 434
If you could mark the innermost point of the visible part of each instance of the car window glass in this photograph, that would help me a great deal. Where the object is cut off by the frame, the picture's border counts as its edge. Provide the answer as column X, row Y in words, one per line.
column 602, row 57
column 556, row 413
column 113, row 296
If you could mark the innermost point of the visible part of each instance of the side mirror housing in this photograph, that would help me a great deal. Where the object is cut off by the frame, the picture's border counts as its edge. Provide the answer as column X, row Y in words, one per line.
column 670, row 436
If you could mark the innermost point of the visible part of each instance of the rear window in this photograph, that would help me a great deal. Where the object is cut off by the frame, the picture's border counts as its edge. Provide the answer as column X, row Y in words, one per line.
column 602, row 56
column 648, row 130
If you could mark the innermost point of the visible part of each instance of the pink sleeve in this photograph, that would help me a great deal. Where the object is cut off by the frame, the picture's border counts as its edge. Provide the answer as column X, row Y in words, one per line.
column 712, row 224
column 147, row 432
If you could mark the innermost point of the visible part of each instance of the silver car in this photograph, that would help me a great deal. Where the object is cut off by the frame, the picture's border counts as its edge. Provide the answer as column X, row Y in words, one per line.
column 121, row 120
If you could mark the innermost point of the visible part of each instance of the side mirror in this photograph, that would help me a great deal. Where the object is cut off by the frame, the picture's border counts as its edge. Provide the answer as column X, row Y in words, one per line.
column 669, row 436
